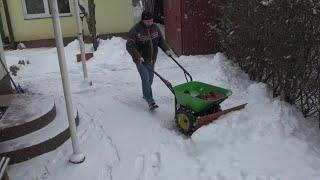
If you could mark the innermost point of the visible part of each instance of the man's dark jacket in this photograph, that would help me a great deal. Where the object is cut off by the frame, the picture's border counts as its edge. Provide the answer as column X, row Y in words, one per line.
column 144, row 41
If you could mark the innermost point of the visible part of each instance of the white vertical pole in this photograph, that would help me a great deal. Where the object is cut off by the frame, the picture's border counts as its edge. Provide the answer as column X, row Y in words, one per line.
column 77, row 156
column 80, row 38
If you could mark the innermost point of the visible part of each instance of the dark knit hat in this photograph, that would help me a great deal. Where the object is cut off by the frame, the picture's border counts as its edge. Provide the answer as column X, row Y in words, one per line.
column 146, row 15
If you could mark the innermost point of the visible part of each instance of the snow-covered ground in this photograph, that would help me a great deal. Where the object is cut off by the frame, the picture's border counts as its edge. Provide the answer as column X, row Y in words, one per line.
column 122, row 140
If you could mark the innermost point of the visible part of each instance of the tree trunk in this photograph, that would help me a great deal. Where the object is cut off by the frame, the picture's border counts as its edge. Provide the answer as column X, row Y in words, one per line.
column 91, row 20
column 148, row 5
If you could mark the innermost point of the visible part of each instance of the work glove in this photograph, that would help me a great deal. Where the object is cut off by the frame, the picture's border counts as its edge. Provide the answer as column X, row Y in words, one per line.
column 168, row 52
column 139, row 61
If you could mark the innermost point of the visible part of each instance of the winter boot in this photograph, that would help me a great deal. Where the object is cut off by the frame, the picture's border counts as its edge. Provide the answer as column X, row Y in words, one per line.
column 152, row 106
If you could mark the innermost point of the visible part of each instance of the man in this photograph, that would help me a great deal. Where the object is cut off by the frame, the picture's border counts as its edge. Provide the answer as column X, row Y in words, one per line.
column 142, row 45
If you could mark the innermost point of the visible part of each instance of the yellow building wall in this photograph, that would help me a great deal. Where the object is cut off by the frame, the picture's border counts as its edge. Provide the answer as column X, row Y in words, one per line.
column 112, row 16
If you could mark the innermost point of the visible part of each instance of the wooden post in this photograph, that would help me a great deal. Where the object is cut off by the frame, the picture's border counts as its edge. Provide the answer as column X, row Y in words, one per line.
column 5, row 176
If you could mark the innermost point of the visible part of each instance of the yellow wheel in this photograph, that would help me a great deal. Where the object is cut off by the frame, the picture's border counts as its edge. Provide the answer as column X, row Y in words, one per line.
column 185, row 121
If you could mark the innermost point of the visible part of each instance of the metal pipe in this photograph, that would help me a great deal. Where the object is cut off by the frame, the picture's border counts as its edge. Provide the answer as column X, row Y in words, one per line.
column 8, row 19
column 4, row 163
column 166, row 82
column 77, row 156
column 183, row 69
column 8, row 74
column 80, row 38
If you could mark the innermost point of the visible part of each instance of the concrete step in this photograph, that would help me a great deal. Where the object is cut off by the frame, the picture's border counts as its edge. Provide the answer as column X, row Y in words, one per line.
column 41, row 141
column 26, row 113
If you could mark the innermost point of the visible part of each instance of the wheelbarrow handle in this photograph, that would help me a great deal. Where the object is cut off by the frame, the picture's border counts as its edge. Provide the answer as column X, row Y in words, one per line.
column 186, row 73
column 166, row 82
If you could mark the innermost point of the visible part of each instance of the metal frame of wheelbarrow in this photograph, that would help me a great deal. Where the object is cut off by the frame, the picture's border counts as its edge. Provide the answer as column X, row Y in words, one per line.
column 192, row 120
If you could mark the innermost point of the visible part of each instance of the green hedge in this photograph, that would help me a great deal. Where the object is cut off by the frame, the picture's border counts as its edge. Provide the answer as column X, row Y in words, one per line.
column 276, row 42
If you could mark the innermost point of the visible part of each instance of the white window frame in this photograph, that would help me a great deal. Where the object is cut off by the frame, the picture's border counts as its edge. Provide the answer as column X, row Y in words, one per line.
column 46, row 13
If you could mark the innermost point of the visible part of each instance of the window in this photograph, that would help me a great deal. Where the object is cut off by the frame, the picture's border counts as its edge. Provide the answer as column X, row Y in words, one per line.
column 64, row 6
column 40, row 8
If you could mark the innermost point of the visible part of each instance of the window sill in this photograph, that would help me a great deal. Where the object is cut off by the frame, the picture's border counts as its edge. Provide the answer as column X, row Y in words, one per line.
column 44, row 16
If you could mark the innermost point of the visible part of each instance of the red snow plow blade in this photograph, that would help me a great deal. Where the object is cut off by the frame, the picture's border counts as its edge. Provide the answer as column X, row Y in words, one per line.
column 207, row 119
column 188, row 121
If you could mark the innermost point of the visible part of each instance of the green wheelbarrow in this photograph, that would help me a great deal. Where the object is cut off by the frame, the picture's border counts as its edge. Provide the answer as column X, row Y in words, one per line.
column 196, row 103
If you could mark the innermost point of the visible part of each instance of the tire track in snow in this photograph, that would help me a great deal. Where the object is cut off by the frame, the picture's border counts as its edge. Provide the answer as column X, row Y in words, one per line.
column 95, row 126
column 147, row 166
column 99, row 127
column 109, row 138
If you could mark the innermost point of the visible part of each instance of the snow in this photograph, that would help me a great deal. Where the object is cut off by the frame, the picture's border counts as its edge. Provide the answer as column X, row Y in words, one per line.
column 266, row 2
column 30, row 109
column 121, row 139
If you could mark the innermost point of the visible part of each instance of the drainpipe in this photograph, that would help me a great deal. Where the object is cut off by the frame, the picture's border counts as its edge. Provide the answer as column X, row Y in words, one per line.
column 80, row 38
column 2, row 53
column 77, row 156
column 8, row 19
column 7, row 89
